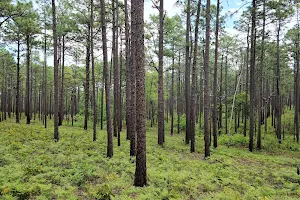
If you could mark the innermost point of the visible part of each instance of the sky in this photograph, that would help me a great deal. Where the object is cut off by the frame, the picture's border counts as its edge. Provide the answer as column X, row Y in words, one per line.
column 229, row 6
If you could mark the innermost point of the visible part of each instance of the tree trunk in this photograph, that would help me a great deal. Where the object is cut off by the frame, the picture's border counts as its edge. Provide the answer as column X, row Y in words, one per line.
column 56, row 136
column 28, row 93
column 172, row 94
column 246, row 85
column 61, row 106
column 187, row 72
column 178, row 97
column 161, row 131
column 194, row 89
column 94, row 105
column 140, row 178
column 107, row 82
column 296, row 85
column 260, row 93
column 252, row 76
column 87, row 77
column 18, row 85
column 215, row 104
column 278, row 95
column 206, row 82
column 128, row 83
column 220, row 97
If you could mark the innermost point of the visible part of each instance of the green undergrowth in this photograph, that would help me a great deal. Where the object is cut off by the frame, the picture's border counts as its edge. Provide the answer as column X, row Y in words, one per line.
column 33, row 166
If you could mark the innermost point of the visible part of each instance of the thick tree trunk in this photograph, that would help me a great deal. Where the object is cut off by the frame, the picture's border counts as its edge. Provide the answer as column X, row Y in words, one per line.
column 161, row 131
column 138, row 25
column 107, row 82
column 87, row 77
column 206, row 83
column 187, row 72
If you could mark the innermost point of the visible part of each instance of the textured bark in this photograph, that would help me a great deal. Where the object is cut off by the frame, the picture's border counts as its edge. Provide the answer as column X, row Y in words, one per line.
column 206, row 83
column 133, row 86
column 56, row 134
column 107, row 82
column 140, row 178
column 187, row 73
column 252, row 77
column 215, row 104
column 87, row 78
column 161, row 123
column 194, row 89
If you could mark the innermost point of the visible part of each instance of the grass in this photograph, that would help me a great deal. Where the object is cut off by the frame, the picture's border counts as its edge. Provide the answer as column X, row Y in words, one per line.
column 33, row 166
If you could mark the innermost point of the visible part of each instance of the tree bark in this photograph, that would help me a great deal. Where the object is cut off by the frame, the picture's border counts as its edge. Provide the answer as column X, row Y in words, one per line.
column 252, row 76
column 107, row 82
column 94, row 105
column 56, row 134
column 194, row 89
column 260, row 93
column 138, row 63
column 206, row 82
column 127, row 60
column 18, row 85
column 161, row 124
column 61, row 106
column 187, row 73
column 28, row 93
column 278, row 95
column 215, row 104
column 87, row 77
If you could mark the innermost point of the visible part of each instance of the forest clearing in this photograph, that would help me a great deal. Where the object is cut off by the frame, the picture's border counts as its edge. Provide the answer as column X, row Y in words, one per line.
column 35, row 167
column 149, row 99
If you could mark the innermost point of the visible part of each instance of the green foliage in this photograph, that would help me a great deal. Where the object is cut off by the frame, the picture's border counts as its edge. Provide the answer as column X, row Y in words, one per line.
column 33, row 166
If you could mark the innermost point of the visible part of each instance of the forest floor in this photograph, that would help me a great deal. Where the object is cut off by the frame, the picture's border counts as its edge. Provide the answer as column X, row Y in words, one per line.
column 33, row 166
